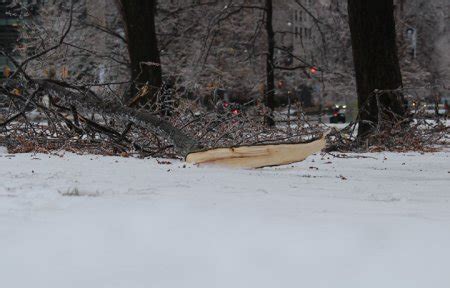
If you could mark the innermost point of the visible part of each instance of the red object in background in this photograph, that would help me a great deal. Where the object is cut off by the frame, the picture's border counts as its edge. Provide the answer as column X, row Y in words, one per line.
column 225, row 104
column 235, row 112
column 313, row 70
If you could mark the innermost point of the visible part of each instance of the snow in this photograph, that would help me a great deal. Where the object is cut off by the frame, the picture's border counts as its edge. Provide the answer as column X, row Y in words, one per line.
column 91, row 221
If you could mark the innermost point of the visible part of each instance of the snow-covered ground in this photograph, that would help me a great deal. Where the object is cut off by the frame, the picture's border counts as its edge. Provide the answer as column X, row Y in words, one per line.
column 94, row 222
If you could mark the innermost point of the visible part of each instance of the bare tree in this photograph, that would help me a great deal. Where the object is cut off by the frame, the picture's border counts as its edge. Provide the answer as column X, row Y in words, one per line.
column 376, row 62
column 270, row 73
column 139, row 20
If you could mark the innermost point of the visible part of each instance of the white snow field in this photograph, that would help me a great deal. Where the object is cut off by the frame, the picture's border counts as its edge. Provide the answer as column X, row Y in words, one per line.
column 104, row 222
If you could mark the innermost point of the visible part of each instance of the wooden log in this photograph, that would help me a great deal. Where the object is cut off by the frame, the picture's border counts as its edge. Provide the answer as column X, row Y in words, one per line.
column 251, row 157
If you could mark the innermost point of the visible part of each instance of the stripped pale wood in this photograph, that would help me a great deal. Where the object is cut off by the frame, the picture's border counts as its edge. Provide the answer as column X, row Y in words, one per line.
column 249, row 157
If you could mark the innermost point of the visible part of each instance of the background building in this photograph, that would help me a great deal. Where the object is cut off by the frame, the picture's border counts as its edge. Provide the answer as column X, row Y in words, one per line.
column 13, row 17
column 296, row 35
column 9, row 34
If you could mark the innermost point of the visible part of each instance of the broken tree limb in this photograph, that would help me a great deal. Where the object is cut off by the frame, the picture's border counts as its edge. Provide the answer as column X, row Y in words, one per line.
column 89, row 101
column 251, row 157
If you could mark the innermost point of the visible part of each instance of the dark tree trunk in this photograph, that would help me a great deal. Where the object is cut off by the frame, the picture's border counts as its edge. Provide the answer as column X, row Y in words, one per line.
column 139, row 21
column 270, row 73
column 375, row 58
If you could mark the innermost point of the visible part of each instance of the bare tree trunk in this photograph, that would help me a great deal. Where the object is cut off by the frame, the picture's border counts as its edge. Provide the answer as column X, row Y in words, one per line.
column 375, row 58
column 270, row 67
column 139, row 20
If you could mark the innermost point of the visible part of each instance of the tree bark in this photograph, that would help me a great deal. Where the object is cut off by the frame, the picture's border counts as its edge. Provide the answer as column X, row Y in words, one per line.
column 139, row 21
column 372, row 27
column 270, row 68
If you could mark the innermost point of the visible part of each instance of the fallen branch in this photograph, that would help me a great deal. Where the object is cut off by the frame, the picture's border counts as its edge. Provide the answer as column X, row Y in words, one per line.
column 90, row 102
column 257, row 156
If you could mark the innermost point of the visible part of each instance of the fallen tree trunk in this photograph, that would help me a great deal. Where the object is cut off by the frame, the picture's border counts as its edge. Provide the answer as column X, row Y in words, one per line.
column 75, row 99
column 89, row 101
column 250, row 157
